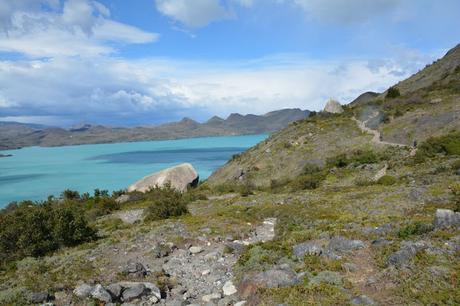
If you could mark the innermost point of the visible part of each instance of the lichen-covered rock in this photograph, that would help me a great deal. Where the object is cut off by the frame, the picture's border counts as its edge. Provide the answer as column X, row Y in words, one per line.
column 405, row 254
column 134, row 291
column 307, row 248
column 99, row 293
column 340, row 244
column 135, row 269
column 179, row 177
column 83, row 291
column 274, row 278
column 38, row 297
column 327, row 277
column 229, row 288
column 446, row 218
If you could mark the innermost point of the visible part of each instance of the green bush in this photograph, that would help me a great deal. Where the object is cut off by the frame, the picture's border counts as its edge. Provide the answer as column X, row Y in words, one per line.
column 33, row 229
column 362, row 157
column 415, row 228
column 311, row 169
column 358, row 157
column 339, row 161
column 447, row 144
column 165, row 202
column 307, row 181
column 393, row 92
column 387, row 180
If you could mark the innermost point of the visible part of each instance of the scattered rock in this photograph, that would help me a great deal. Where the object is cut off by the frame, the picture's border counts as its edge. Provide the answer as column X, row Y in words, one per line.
column 234, row 247
column 180, row 177
column 307, row 248
column 229, row 288
column 99, row 293
column 339, row 245
column 161, row 250
column 210, row 297
column 135, row 269
column 130, row 216
column 381, row 242
column 406, row 252
column 362, row 300
column 83, row 291
column 240, row 303
column 349, row 267
column 274, row 278
column 328, row 277
column 446, row 218
column 212, row 256
column 135, row 291
column 195, row 249
column 114, row 290
column 38, row 297
column 333, row 107
column 124, row 198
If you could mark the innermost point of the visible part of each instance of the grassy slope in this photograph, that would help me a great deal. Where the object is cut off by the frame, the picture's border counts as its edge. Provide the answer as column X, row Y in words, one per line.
column 346, row 203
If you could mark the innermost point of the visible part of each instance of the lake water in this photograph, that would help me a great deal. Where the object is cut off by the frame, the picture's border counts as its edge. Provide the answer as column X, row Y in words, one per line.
column 34, row 173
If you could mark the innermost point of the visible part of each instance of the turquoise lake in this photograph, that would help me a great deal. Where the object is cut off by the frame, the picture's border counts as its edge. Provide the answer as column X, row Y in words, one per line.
column 34, row 173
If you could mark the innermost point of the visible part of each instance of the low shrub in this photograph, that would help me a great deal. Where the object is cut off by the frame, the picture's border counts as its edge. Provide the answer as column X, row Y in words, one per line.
column 33, row 229
column 165, row 202
column 448, row 144
column 387, row 180
column 393, row 92
column 358, row 157
column 307, row 181
column 364, row 157
column 455, row 189
column 339, row 161
column 416, row 228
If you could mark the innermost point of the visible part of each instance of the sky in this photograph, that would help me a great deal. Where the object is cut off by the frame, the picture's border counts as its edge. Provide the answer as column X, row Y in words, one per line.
column 141, row 62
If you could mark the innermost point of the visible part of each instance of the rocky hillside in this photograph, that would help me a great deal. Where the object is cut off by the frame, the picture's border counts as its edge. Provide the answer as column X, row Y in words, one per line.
column 22, row 135
column 336, row 209
column 427, row 104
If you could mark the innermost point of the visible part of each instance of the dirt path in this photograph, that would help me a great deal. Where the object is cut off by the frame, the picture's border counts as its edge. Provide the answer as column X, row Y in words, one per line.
column 365, row 279
column 376, row 133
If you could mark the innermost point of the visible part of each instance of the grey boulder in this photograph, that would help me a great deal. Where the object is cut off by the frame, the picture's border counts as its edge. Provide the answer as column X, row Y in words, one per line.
column 99, row 293
column 133, row 292
column 83, row 291
column 446, row 218
column 307, row 248
column 180, row 177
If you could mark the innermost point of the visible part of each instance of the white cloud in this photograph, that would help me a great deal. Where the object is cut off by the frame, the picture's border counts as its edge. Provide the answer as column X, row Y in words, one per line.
column 346, row 11
column 83, row 28
column 194, row 14
column 145, row 91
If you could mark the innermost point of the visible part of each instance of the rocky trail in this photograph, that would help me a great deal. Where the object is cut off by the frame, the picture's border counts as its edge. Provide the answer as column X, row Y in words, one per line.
column 377, row 135
column 196, row 271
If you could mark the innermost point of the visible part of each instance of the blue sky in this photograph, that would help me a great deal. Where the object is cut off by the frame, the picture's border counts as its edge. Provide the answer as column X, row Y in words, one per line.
column 142, row 62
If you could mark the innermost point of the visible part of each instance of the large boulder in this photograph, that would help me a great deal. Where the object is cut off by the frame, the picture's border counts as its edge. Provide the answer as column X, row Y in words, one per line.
column 446, row 218
column 333, row 107
column 180, row 177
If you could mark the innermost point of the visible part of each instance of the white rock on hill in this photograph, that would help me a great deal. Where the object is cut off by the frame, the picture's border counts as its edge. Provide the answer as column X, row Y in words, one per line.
column 180, row 177
column 333, row 107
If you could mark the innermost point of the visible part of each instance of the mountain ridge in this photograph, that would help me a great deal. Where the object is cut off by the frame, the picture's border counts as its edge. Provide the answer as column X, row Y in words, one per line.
column 17, row 135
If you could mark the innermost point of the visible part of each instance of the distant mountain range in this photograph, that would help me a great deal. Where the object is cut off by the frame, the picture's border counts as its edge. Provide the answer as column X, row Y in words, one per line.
column 15, row 135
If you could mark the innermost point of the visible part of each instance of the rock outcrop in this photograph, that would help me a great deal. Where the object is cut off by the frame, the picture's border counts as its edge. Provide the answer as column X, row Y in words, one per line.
column 446, row 218
column 180, row 177
column 333, row 107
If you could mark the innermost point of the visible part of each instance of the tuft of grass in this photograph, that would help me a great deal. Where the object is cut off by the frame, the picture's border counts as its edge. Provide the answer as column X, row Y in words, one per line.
column 387, row 180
